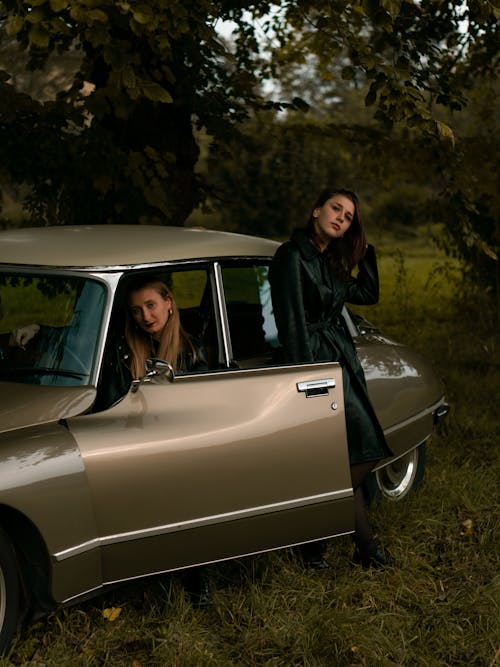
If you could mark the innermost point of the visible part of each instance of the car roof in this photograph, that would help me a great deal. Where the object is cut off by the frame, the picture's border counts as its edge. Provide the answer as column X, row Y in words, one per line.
column 106, row 246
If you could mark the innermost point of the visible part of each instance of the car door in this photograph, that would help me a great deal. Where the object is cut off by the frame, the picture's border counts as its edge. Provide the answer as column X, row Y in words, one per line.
column 229, row 462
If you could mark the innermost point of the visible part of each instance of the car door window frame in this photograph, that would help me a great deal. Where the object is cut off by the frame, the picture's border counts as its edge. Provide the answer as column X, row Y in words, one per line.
column 219, row 267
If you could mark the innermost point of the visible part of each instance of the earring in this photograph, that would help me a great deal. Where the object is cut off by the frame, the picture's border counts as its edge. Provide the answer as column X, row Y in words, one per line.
column 170, row 312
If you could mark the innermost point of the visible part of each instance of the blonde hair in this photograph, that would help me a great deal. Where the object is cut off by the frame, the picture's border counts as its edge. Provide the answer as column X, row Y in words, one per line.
column 173, row 340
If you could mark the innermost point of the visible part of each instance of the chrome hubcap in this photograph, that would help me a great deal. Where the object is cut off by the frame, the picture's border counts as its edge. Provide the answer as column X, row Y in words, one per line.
column 395, row 480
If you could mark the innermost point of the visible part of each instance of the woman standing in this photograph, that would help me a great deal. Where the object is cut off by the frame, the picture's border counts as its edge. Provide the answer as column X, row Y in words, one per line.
column 311, row 279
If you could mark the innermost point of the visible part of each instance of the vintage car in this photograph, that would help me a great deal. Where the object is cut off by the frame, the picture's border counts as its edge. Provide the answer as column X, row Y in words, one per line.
column 245, row 457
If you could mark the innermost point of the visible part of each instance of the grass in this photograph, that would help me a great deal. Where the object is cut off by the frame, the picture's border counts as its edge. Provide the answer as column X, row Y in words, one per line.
column 438, row 608
column 27, row 302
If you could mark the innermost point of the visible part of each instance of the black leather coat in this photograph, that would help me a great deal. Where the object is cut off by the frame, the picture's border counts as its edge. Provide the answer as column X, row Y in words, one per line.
column 307, row 301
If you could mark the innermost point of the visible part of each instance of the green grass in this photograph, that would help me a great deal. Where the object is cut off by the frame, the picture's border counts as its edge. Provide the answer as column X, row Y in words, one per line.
column 27, row 303
column 438, row 608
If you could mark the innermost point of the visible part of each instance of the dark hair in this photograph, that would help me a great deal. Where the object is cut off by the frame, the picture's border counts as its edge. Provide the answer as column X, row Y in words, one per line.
column 345, row 253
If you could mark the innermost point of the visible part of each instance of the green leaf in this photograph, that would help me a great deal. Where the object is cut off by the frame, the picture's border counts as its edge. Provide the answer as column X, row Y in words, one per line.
column 58, row 5
column 143, row 14
column 35, row 16
column 393, row 7
column 77, row 14
column 98, row 15
column 39, row 37
column 14, row 25
column 156, row 93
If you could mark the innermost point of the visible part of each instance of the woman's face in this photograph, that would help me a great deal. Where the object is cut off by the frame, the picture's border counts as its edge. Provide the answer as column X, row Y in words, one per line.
column 150, row 310
column 333, row 219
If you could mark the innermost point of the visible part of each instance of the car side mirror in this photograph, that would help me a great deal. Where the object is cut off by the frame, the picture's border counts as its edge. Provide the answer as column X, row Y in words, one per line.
column 155, row 368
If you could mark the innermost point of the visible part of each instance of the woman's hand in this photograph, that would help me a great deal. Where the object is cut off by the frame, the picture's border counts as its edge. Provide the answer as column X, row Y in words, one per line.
column 22, row 336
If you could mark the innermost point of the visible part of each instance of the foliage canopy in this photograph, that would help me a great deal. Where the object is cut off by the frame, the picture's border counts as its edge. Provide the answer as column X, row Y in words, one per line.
column 118, row 141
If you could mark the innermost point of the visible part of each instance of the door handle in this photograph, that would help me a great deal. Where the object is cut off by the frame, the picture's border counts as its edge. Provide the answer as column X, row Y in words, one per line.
column 313, row 388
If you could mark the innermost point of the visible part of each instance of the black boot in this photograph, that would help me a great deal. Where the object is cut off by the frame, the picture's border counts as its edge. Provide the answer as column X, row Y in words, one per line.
column 313, row 555
column 198, row 586
column 372, row 555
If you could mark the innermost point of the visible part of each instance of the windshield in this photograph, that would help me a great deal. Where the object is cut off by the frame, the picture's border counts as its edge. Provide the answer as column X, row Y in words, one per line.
column 49, row 327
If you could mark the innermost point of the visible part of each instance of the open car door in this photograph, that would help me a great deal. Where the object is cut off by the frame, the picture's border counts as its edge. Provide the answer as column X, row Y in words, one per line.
column 216, row 465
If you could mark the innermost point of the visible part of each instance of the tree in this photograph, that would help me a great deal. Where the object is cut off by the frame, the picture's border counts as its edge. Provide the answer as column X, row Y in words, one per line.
column 432, row 65
column 119, row 143
column 125, row 149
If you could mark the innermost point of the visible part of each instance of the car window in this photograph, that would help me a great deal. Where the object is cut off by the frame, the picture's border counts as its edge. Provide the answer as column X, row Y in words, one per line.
column 192, row 293
column 190, row 290
column 254, row 337
column 188, row 287
column 61, row 318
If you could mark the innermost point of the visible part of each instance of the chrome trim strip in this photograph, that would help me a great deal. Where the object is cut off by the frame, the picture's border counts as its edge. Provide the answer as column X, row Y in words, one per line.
column 409, row 421
column 261, row 370
column 127, row 267
column 200, row 522
column 387, row 462
column 221, row 305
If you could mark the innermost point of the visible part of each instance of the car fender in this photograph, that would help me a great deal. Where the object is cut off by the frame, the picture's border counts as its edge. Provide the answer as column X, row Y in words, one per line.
column 42, row 477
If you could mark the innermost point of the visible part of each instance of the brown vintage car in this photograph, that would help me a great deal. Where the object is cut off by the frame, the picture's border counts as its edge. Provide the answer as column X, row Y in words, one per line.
column 246, row 457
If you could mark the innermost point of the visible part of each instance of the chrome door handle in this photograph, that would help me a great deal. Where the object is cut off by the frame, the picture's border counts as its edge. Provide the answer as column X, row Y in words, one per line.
column 313, row 388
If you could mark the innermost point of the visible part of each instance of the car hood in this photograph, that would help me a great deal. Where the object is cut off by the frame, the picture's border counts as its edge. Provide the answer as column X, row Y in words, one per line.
column 29, row 405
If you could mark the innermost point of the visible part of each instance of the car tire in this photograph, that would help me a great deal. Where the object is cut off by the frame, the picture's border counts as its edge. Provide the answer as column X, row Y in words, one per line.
column 10, row 592
column 399, row 479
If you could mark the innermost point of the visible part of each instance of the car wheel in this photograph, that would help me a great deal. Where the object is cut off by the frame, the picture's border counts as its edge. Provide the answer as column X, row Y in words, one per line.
column 402, row 477
column 9, row 592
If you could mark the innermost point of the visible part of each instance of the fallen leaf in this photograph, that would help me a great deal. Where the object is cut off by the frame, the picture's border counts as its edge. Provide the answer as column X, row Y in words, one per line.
column 111, row 613
column 469, row 527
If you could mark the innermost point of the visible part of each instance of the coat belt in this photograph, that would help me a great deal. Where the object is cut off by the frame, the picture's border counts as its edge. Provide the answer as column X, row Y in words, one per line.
column 322, row 325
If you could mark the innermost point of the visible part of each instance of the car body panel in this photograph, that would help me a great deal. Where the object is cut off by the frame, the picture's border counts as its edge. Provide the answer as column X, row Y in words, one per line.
column 224, row 540
column 42, row 477
column 24, row 405
column 111, row 246
column 214, row 451
column 400, row 382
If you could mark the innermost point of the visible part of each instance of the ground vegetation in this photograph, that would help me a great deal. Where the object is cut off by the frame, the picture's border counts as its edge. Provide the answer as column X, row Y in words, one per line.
column 439, row 607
